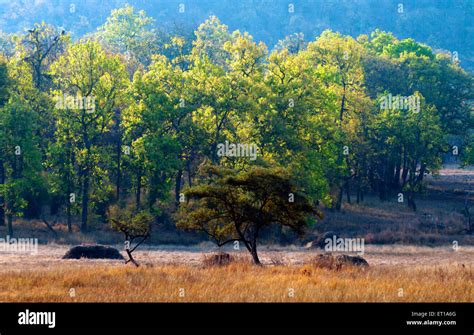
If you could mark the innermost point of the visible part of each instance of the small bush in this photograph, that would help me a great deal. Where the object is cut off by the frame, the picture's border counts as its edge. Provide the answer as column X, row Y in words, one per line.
column 337, row 262
column 218, row 259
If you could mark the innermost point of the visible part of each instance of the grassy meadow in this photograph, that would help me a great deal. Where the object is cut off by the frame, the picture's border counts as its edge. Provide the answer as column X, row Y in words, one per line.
column 239, row 282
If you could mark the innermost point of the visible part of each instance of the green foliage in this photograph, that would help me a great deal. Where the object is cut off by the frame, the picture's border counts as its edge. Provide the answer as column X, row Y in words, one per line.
column 380, row 41
column 130, row 222
column 468, row 153
column 133, row 224
column 39, row 47
column 4, row 82
column 408, row 46
column 236, row 206
column 21, row 159
column 130, row 32
column 409, row 139
column 87, row 74
column 407, row 66
column 211, row 37
column 86, row 129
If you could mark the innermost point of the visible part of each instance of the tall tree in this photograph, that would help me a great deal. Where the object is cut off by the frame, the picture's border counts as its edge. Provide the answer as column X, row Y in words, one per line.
column 4, row 85
column 90, row 84
column 20, row 157
column 130, row 32
column 40, row 47
column 340, row 58
column 414, row 139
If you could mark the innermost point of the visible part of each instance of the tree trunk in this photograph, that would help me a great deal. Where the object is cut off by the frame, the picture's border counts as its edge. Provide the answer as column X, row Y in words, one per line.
column 138, row 191
column 339, row 198
column 130, row 258
column 10, row 225
column 251, row 244
column 253, row 251
column 382, row 194
column 405, row 169
column 69, row 219
column 255, row 258
column 85, row 201
column 348, row 192
column 396, row 178
column 177, row 188
column 118, row 138
column 412, row 184
column 38, row 75
column 343, row 102
column 119, row 176
column 188, row 169
column 68, row 206
column 2, row 199
column 421, row 174
column 411, row 201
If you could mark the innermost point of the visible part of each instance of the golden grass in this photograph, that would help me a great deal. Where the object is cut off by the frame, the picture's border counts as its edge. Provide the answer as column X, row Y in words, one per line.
column 238, row 282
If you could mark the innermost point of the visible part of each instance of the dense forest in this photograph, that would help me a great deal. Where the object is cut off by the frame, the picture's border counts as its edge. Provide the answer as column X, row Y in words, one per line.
column 131, row 121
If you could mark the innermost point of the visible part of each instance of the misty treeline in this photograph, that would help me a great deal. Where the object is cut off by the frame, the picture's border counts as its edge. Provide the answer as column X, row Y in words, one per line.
column 125, row 116
column 270, row 20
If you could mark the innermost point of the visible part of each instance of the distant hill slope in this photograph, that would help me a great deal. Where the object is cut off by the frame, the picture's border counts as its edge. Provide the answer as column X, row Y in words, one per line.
column 443, row 24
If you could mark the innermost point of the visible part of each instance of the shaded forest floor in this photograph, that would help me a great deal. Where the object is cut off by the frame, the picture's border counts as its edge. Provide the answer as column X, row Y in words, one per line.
column 411, row 258
column 438, row 221
column 439, row 218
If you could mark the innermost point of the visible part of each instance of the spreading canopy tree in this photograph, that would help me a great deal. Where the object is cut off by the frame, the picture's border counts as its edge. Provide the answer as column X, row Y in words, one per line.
column 235, row 206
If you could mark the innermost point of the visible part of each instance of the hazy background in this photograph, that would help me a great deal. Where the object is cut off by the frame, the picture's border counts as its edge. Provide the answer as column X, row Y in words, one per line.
column 443, row 24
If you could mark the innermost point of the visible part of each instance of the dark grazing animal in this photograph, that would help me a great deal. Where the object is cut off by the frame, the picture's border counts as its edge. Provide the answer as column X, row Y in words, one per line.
column 92, row 251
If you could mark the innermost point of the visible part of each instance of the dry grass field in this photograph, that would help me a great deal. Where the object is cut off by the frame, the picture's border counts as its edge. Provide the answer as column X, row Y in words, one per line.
column 239, row 283
column 395, row 274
